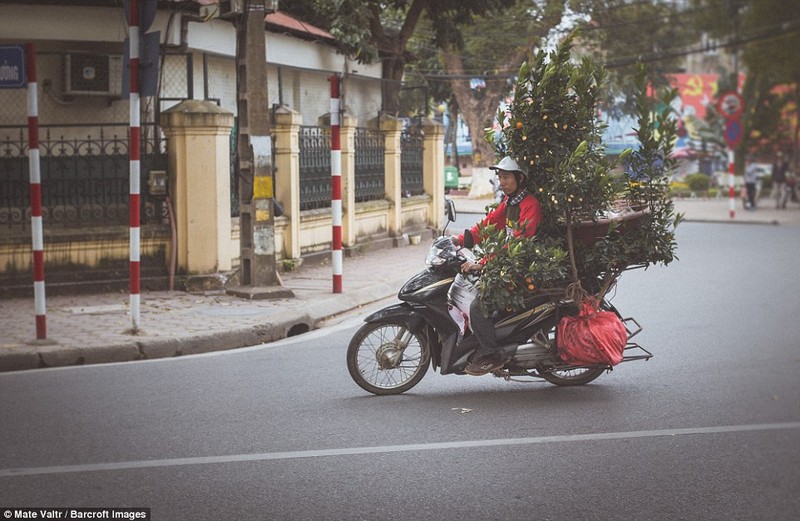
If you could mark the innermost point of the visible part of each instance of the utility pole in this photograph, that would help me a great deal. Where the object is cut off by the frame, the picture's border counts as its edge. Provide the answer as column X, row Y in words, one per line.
column 259, row 274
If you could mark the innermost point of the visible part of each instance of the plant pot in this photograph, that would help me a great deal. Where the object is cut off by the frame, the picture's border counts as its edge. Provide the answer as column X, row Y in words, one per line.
column 590, row 231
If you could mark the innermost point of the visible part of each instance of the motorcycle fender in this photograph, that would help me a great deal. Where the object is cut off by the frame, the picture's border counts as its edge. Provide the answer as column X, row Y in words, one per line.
column 402, row 311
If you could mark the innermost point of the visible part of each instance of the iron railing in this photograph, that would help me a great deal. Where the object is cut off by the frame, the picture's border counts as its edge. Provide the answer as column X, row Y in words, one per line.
column 370, row 174
column 412, row 147
column 315, row 167
column 85, row 174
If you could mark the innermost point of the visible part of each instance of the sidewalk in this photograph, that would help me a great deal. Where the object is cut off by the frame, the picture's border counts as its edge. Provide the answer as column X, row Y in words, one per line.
column 88, row 329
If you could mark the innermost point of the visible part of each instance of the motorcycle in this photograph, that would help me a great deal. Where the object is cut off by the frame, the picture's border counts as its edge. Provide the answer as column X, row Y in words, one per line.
column 393, row 350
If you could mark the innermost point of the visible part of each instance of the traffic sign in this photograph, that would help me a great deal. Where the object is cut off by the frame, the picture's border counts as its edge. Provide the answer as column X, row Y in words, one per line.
column 731, row 105
column 733, row 132
column 12, row 67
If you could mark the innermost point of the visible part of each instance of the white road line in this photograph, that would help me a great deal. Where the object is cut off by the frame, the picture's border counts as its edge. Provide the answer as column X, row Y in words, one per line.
column 267, row 456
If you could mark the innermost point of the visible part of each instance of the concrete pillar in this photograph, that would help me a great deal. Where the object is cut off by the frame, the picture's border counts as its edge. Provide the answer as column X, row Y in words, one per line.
column 433, row 170
column 199, row 133
column 392, row 129
column 348, row 137
column 287, row 175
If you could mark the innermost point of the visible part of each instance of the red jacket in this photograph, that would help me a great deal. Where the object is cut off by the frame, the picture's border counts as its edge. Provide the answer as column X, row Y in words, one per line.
column 530, row 215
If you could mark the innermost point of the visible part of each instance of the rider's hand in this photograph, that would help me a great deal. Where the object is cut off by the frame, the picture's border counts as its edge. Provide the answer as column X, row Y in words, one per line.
column 468, row 267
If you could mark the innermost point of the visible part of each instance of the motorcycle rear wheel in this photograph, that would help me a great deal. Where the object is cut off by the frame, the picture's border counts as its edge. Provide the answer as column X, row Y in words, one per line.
column 386, row 358
column 569, row 377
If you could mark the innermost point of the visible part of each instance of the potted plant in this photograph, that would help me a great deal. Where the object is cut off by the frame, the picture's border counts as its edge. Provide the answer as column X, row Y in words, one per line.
column 595, row 223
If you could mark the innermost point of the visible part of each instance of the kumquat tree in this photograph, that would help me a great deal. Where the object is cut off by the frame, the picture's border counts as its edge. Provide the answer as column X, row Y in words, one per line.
column 597, row 221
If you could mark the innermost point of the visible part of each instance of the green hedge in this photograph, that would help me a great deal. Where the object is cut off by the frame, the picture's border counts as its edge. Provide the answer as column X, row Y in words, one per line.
column 698, row 182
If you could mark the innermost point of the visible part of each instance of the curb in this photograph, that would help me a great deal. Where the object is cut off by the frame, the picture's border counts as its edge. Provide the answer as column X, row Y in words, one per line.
column 52, row 355
column 720, row 221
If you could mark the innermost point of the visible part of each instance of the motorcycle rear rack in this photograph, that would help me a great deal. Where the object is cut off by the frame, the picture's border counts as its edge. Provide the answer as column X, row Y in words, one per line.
column 633, row 350
column 633, row 346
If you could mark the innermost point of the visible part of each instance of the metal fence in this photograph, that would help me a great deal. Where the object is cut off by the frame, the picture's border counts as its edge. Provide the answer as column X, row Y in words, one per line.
column 370, row 177
column 315, row 167
column 85, row 175
column 370, row 180
column 412, row 146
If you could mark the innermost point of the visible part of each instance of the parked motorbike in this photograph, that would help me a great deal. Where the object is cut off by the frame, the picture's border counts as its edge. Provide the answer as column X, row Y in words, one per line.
column 393, row 350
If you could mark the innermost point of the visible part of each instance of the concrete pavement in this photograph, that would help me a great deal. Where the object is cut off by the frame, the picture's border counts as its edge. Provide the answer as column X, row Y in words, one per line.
column 89, row 329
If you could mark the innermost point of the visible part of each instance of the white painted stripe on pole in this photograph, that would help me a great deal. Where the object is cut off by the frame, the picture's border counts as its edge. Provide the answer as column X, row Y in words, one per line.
column 335, row 106
column 336, row 162
column 36, row 233
column 388, row 449
column 336, row 212
column 134, row 243
column 336, row 260
column 34, row 166
column 135, row 302
column 133, row 40
column 38, row 297
column 135, row 110
column 135, row 177
column 33, row 100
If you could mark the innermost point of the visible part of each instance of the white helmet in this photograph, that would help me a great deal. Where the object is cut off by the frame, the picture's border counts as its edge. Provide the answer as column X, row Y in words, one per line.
column 510, row 165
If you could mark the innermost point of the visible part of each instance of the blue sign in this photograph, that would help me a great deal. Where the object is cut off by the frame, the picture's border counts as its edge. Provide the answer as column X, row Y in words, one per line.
column 733, row 132
column 12, row 67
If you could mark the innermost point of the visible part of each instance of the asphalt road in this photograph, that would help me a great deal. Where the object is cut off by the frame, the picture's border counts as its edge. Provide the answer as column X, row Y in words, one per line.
column 708, row 429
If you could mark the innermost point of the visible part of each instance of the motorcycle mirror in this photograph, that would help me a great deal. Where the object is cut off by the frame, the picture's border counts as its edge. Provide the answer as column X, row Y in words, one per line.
column 449, row 212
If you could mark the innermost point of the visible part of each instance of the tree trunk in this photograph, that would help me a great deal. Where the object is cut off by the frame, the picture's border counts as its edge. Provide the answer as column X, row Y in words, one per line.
column 477, row 110
column 393, row 48
column 393, row 68
column 452, row 134
column 479, row 106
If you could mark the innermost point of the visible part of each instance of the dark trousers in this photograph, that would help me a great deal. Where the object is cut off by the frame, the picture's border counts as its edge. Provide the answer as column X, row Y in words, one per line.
column 751, row 194
column 483, row 329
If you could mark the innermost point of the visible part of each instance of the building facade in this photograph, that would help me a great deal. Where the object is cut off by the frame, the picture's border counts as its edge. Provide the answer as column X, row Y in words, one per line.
column 84, row 118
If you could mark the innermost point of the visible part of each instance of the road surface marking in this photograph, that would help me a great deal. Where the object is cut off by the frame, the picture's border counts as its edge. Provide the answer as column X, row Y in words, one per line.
column 267, row 456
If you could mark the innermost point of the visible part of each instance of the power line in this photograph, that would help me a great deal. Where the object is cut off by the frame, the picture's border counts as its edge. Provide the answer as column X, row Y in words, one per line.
column 671, row 15
column 786, row 28
column 764, row 34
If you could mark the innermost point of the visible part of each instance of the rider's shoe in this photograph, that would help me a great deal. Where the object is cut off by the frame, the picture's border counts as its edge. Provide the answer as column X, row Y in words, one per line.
column 483, row 365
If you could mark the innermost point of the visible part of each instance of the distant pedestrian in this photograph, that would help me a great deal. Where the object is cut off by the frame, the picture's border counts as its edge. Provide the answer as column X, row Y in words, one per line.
column 779, row 187
column 750, row 179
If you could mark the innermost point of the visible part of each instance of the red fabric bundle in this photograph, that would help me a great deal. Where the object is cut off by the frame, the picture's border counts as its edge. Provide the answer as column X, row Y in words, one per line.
column 591, row 337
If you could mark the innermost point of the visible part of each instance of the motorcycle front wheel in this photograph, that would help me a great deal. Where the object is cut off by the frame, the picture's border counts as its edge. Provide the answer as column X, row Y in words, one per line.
column 386, row 358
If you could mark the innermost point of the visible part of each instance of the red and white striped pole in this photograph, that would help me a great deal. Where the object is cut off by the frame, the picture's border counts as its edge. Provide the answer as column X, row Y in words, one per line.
column 336, row 185
column 36, row 194
column 731, row 189
column 134, row 150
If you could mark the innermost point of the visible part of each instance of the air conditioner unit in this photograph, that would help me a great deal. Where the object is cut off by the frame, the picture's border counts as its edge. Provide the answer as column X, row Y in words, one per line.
column 92, row 74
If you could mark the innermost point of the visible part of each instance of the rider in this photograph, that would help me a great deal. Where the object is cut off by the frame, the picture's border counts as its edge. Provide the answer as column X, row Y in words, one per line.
column 520, row 213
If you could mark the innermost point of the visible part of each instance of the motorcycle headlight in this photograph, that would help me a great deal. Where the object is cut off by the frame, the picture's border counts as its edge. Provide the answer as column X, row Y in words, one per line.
column 441, row 250
column 435, row 257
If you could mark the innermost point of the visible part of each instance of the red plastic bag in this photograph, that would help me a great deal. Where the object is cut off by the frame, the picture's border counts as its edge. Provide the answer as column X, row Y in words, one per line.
column 592, row 337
